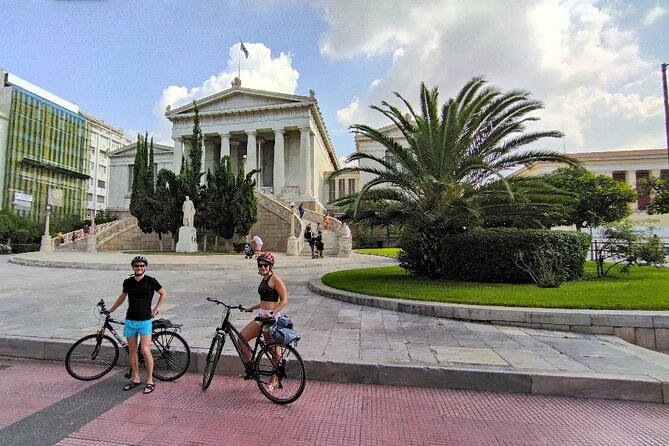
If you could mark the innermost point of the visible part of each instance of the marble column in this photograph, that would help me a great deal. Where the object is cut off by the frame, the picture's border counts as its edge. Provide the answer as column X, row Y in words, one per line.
column 178, row 153
column 225, row 144
column 259, row 177
column 251, row 162
column 279, row 174
column 305, row 159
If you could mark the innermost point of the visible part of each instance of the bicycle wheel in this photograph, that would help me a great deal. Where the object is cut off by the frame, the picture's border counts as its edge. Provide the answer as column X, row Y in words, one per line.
column 280, row 373
column 91, row 357
column 171, row 355
column 212, row 359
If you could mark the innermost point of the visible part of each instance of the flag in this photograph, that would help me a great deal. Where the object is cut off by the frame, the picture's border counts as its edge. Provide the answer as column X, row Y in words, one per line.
column 244, row 50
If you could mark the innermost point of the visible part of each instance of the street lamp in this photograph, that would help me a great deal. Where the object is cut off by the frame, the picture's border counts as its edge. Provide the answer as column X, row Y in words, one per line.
column 293, row 244
column 666, row 105
column 46, row 245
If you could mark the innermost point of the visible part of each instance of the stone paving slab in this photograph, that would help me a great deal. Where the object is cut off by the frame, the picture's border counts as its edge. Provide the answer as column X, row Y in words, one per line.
column 43, row 310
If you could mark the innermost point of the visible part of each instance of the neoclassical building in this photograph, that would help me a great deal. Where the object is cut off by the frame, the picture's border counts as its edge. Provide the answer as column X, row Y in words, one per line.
column 283, row 135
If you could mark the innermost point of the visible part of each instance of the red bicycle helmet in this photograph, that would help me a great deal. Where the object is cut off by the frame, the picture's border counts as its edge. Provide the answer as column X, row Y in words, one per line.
column 266, row 257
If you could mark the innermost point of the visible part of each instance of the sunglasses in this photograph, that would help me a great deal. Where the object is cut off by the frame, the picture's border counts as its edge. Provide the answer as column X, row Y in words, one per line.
column 139, row 266
column 265, row 265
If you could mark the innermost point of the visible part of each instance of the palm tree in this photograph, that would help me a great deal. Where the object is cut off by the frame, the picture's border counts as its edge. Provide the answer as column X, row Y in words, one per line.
column 451, row 176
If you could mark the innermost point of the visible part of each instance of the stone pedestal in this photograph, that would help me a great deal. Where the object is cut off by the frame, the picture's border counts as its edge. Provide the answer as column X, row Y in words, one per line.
column 293, row 246
column 345, row 241
column 91, row 245
column 46, row 245
column 187, row 239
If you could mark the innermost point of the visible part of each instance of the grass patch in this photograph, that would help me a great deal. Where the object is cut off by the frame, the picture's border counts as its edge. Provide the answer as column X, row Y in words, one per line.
column 383, row 252
column 644, row 289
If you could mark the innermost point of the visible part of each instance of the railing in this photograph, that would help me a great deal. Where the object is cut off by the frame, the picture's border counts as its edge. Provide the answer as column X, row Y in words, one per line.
column 333, row 224
column 109, row 230
column 281, row 210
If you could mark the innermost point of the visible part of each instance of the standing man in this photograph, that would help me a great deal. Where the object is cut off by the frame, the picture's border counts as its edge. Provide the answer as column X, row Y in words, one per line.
column 300, row 209
column 139, row 289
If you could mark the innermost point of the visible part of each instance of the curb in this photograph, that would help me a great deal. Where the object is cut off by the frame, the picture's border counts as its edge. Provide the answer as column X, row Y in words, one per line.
column 581, row 385
column 648, row 329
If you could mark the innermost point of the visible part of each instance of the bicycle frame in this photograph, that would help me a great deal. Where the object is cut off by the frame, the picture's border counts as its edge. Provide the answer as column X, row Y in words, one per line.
column 227, row 328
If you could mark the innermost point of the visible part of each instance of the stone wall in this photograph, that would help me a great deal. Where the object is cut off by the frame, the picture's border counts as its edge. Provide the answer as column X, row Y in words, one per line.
column 273, row 231
column 135, row 240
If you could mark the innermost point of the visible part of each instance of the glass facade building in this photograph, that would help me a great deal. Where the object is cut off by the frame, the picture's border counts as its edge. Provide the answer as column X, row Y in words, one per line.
column 46, row 147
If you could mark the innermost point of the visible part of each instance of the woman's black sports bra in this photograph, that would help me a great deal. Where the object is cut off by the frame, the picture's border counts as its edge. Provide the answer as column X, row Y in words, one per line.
column 267, row 293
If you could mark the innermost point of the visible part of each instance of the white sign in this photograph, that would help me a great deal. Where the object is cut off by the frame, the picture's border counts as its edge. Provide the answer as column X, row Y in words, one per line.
column 55, row 197
column 22, row 202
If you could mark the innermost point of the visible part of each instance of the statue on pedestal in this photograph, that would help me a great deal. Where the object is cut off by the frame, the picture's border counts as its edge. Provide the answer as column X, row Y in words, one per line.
column 189, row 213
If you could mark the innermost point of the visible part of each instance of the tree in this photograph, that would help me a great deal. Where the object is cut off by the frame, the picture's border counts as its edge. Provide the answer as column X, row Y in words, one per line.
column 451, row 176
column 596, row 199
column 245, row 203
column 658, row 189
column 219, row 199
column 191, row 168
column 167, row 217
column 142, row 201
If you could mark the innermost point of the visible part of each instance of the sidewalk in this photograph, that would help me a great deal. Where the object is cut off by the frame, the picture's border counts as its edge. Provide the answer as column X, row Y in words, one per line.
column 45, row 307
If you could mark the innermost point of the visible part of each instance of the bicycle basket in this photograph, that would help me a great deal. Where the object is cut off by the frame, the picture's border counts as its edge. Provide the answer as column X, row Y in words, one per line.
column 282, row 335
column 162, row 323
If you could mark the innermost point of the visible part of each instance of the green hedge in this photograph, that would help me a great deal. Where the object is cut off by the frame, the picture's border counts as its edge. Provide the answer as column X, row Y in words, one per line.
column 490, row 255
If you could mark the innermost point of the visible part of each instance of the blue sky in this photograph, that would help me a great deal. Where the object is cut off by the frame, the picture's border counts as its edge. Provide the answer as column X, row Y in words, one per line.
column 595, row 64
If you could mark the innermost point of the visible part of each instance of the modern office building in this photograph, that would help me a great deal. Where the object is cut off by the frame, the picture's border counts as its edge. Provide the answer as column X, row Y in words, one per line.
column 43, row 146
column 48, row 144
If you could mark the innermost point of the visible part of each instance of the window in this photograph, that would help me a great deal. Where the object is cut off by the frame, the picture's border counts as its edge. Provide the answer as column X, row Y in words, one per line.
column 664, row 174
column 90, row 197
column 342, row 187
column 101, row 199
column 644, row 199
column 619, row 175
column 91, row 166
column 351, row 186
column 130, row 174
column 331, row 190
column 102, row 184
column 103, row 170
column 92, row 151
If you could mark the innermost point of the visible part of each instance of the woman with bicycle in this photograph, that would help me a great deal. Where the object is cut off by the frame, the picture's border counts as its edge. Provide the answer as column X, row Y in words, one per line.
column 273, row 298
column 139, row 290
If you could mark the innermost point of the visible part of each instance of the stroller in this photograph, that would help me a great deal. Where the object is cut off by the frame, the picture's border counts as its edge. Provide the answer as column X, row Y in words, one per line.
column 248, row 252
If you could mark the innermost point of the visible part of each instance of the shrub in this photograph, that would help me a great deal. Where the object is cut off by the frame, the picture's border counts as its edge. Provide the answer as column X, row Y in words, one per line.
column 490, row 255
column 11, row 224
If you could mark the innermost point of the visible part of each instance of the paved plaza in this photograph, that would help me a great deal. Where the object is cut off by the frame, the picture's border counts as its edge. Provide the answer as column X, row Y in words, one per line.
column 61, row 410
column 44, row 308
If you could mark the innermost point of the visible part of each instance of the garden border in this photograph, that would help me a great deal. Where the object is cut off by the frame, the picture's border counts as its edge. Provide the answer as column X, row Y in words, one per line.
column 648, row 329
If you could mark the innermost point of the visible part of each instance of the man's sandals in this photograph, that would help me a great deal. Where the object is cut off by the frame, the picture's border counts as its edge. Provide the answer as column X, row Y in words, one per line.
column 131, row 385
column 150, row 387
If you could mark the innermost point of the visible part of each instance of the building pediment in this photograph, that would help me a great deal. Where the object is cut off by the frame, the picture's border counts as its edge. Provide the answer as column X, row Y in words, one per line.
column 131, row 150
column 239, row 99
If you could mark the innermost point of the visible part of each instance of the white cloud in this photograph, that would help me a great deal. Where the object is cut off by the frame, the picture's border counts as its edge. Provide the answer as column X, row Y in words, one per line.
column 575, row 55
column 344, row 116
column 260, row 71
column 653, row 15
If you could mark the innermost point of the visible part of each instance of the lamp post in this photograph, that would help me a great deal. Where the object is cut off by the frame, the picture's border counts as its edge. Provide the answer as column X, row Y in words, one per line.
column 666, row 105
column 91, row 244
column 46, row 245
column 292, row 240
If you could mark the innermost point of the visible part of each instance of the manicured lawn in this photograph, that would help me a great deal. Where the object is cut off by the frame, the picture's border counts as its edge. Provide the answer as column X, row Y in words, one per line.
column 384, row 252
column 646, row 288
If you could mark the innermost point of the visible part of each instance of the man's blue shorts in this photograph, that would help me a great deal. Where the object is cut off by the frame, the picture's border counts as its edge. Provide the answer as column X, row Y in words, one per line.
column 132, row 328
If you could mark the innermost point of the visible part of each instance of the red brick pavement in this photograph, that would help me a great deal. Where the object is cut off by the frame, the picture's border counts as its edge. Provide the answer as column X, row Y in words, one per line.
column 233, row 412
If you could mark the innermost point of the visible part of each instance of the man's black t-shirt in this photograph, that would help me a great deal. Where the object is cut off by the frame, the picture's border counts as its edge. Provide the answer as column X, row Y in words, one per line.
column 140, row 295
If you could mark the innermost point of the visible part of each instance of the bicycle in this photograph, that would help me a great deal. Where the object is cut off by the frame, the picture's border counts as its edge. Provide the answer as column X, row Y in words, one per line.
column 277, row 369
column 94, row 355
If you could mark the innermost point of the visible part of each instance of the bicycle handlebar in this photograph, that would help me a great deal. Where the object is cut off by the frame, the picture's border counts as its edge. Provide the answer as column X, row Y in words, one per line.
column 232, row 307
column 103, row 309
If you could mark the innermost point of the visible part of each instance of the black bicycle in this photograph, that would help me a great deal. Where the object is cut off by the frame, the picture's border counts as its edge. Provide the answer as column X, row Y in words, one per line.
column 94, row 355
column 278, row 369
